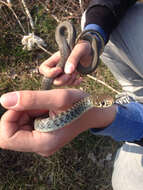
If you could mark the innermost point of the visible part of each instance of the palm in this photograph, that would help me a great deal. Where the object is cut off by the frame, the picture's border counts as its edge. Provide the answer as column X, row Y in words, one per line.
column 16, row 127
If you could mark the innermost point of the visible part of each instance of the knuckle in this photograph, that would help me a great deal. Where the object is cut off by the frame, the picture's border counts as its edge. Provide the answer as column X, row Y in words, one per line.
column 43, row 69
column 48, row 72
column 59, row 82
column 4, row 145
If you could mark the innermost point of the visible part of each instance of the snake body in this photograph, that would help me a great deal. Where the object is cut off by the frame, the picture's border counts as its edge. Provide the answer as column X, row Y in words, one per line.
column 65, row 47
column 46, row 124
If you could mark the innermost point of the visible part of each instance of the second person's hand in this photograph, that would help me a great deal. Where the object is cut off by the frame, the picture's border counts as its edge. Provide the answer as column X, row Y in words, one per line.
column 70, row 77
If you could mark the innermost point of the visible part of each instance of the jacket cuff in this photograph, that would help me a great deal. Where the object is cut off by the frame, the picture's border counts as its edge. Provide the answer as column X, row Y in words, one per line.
column 127, row 125
column 98, row 29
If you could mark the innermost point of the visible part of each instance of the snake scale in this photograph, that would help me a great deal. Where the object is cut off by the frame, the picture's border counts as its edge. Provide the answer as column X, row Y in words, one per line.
column 65, row 36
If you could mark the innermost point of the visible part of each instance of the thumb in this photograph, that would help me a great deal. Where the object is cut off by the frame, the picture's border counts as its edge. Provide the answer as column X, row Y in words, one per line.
column 80, row 50
column 41, row 100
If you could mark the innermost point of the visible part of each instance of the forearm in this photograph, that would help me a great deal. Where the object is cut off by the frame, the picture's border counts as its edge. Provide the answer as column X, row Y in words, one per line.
column 101, row 117
column 95, row 118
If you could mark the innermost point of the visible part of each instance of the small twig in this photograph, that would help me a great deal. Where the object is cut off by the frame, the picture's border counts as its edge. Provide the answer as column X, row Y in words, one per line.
column 28, row 15
column 18, row 21
column 41, row 47
column 48, row 10
column 57, row 20
column 103, row 83
column 32, row 25
column 10, row 7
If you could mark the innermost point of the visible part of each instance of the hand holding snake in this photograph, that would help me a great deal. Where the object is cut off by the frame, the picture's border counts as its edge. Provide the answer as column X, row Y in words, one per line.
column 89, row 53
column 16, row 125
column 75, row 56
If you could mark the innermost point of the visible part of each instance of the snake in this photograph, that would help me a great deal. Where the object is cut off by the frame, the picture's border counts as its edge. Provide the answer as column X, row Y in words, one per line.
column 66, row 39
column 47, row 124
column 66, row 45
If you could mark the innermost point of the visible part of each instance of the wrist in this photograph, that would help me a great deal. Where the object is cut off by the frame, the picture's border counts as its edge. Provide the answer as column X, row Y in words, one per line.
column 98, row 38
column 98, row 29
column 96, row 118
column 101, row 117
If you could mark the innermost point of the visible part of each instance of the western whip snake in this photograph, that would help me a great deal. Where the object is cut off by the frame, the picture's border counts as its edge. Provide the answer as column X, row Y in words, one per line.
column 66, row 44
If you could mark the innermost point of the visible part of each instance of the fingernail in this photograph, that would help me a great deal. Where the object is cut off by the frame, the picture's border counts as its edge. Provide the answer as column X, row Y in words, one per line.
column 69, row 68
column 9, row 99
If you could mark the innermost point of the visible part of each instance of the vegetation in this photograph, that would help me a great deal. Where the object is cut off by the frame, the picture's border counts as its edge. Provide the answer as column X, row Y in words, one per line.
column 85, row 163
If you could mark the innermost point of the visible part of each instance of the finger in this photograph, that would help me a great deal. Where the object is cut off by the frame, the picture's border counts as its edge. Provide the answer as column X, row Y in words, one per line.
column 12, row 119
column 20, row 140
column 13, row 136
column 74, row 77
column 9, row 123
column 16, row 135
column 48, row 68
column 52, row 72
column 37, row 113
column 78, row 82
column 66, row 79
column 62, row 80
column 79, row 50
column 11, row 116
column 41, row 100
column 52, row 61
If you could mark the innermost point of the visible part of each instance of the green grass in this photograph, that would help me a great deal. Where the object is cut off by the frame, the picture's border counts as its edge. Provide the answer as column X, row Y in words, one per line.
column 80, row 165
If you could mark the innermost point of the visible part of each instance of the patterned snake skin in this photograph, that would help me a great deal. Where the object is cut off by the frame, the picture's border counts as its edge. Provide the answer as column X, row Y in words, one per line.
column 64, row 118
column 45, row 123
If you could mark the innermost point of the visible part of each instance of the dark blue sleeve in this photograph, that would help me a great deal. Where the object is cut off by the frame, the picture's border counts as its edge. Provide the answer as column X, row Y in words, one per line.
column 107, row 13
column 127, row 125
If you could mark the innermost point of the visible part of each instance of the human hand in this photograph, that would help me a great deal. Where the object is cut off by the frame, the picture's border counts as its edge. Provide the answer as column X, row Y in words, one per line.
column 80, row 53
column 16, row 125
